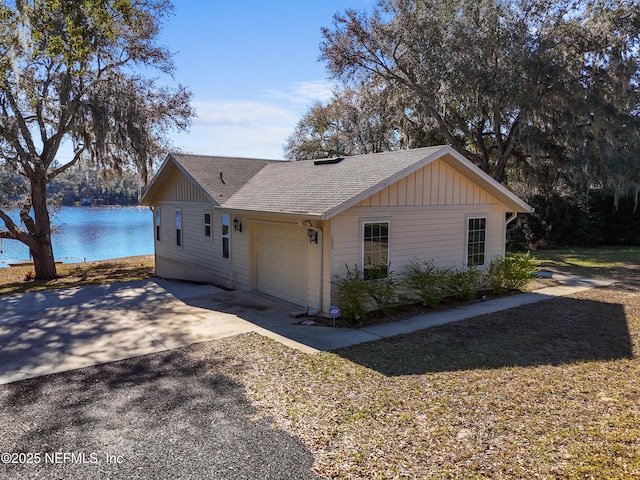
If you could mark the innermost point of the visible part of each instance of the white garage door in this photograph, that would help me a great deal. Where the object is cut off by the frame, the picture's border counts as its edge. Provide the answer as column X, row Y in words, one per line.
column 280, row 263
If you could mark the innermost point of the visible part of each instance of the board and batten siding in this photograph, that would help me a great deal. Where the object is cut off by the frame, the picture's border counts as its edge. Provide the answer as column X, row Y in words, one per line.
column 434, row 184
column 179, row 188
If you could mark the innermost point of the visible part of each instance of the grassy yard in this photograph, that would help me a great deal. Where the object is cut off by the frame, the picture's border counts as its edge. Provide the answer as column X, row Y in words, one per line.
column 549, row 390
column 609, row 262
column 12, row 279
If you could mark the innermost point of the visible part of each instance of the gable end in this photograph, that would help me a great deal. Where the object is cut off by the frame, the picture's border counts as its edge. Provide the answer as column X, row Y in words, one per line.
column 432, row 185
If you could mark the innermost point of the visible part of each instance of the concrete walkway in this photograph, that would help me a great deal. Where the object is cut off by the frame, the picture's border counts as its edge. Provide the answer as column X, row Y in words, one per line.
column 60, row 330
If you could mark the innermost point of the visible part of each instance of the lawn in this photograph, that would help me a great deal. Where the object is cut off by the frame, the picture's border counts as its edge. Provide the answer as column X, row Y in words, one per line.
column 606, row 262
column 14, row 279
column 549, row 390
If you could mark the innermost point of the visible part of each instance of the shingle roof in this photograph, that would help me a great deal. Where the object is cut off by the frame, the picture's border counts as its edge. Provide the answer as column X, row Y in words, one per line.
column 206, row 171
column 221, row 177
column 305, row 188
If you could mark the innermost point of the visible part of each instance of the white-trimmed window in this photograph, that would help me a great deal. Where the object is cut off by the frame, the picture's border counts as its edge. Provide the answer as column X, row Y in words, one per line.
column 179, row 228
column 375, row 250
column 476, row 241
column 226, row 247
column 157, row 222
column 207, row 224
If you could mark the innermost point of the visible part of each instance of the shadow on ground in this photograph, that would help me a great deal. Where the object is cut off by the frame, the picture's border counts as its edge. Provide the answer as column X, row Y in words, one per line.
column 158, row 416
column 559, row 331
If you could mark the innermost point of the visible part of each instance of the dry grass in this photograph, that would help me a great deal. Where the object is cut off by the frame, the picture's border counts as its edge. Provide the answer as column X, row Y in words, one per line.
column 12, row 279
column 548, row 390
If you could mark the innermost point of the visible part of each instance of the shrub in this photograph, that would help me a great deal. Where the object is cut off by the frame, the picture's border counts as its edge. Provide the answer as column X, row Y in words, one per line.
column 428, row 281
column 352, row 293
column 383, row 291
column 511, row 273
column 462, row 284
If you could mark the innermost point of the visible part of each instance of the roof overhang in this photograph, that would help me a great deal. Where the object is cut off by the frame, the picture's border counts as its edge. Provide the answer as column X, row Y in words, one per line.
column 166, row 170
column 456, row 161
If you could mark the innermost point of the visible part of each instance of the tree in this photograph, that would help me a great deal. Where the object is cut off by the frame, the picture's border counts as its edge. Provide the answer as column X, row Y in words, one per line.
column 365, row 118
column 69, row 74
column 505, row 83
column 356, row 120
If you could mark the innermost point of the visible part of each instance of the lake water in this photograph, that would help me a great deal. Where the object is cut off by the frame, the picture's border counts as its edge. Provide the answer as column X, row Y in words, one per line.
column 91, row 233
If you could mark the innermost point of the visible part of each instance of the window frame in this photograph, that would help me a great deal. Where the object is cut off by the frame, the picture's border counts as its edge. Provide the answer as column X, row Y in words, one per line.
column 179, row 229
column 387, row 268
column 157, row 222
column 483, row 241
column 208, row 226
column 225, row 237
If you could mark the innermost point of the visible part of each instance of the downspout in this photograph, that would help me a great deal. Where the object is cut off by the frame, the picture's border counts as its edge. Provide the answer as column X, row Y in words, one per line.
column 309, row 226
column 509, row 219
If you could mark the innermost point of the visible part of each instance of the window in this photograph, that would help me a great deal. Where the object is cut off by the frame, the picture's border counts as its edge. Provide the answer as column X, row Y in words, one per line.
column 207, row 224
column 156, row 216
column 375, row 250
column 179, row 228
column 476, row 241
column 225, row 236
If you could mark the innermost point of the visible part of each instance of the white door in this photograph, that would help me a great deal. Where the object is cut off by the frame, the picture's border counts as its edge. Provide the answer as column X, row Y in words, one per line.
column 280, row 261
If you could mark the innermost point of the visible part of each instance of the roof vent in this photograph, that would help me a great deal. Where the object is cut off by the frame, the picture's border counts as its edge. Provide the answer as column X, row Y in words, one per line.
column 329, row 161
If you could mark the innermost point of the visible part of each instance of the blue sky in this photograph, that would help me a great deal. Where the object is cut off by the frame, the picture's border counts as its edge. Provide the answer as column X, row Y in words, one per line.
column 252, row 67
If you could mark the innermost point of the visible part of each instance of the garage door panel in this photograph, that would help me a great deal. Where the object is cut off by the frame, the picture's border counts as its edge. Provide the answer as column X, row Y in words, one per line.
column 280, row 261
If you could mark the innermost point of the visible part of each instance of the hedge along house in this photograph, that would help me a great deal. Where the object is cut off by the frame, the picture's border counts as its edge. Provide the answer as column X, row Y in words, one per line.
column 287, row 229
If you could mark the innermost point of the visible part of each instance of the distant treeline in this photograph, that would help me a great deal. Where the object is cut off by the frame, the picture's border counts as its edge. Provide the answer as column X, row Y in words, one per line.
column 590, row 219
column 85, row 185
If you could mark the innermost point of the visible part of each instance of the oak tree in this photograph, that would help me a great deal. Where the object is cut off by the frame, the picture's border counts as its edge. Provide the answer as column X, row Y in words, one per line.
column 505, row 83
column 72, row 77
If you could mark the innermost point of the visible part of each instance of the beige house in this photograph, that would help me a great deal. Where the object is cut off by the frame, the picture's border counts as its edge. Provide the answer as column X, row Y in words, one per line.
column 287, row 229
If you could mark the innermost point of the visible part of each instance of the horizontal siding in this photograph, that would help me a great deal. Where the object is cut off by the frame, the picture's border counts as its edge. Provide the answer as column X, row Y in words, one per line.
column 199, row 257
column 436, row 184
column 437, row 234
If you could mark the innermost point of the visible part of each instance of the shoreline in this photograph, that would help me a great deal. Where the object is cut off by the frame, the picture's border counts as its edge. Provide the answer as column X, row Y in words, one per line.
column 18, row 264
column 20, row 279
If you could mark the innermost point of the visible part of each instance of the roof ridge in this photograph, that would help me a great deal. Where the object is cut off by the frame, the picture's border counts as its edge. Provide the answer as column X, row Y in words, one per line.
column 225, row 157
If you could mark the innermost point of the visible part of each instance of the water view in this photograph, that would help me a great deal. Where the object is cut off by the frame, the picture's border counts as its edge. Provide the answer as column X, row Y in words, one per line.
column 91, row 233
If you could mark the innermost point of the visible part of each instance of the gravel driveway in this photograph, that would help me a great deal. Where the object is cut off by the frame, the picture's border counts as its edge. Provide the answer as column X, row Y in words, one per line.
column 157, row 416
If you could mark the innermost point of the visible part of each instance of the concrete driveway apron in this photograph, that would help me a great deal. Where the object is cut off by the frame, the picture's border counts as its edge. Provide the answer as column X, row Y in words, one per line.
column 59, row 330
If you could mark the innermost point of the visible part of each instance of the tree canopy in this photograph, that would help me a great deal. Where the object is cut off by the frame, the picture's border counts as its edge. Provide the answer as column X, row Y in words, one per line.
column 70, row 74
column 533, row 88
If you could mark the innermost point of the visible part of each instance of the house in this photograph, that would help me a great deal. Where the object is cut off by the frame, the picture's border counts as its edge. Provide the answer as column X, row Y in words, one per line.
column 287, row 229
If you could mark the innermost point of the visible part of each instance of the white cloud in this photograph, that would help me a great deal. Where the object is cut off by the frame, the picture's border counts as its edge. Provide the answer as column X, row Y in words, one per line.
column 241, row 113
column 304, row 93
column 250, row 128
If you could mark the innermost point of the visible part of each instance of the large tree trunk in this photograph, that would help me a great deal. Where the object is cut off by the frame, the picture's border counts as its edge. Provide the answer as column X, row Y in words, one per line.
column 42, row 249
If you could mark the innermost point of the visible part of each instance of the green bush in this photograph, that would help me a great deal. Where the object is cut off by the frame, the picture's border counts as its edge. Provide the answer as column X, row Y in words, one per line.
column 353, row 291
column 383, row 291
column 428, row 281
column 462, row 284
column 510, row 273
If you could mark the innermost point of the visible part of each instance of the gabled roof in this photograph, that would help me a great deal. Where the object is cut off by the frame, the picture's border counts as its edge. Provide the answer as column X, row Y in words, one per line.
column 218, row 177
column 315, row 190
column 323, row 191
